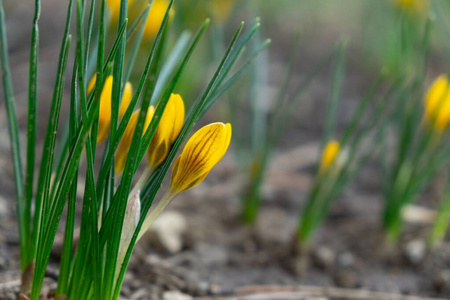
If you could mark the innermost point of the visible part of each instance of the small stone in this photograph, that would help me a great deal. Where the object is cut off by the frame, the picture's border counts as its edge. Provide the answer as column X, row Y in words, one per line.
column 175, row 295
column 348, row 278
column 441, row 281
column 3, row 263
column 346, row 260
column 140, row 294
column 324, row 257
column 167, row 232
column 415, row 251
column 4, row 209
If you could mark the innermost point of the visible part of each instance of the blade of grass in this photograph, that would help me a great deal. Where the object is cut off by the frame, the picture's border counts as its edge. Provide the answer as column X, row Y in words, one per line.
column 31, row 125
column 90, row 196
column 66, row 179
column 14, row 138
column 335, row 91
column 66, row 254
column 137, row 44
column 42, row 196
column 46, row 166
column 169, row 65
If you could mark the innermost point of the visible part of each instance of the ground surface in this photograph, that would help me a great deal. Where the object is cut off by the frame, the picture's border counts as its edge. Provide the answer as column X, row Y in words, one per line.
column 219, row 254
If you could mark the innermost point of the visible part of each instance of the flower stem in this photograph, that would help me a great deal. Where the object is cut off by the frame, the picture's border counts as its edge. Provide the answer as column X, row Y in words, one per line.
column 165, row 201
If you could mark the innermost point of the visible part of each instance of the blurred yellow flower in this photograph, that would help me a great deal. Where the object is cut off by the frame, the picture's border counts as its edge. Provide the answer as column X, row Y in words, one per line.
column 104, row 119
column 114, row 8
column 168, row 130
column 416, row 6
column 437, row 104
column 155, row 17
column 329, row 155
column 202, row 152
column 221, row 9
column 125, row 142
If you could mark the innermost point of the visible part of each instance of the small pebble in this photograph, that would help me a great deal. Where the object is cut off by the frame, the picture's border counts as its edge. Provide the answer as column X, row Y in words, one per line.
column 175, row 295
column 167, row 232
column 346, row 260
column 324, row 257
column 348, row 278
column 441, row 281
column 415, row 251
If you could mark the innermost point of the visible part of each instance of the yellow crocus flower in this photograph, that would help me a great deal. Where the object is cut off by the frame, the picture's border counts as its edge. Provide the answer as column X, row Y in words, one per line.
column 329, row 154
column 202, row 152
column 125, row 142
column 104, row 119
column 167, row 132
column 155, row 17
column 437, row 104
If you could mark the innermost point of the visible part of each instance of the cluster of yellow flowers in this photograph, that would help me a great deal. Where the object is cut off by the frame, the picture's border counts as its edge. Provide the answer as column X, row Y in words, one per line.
column 201, row 153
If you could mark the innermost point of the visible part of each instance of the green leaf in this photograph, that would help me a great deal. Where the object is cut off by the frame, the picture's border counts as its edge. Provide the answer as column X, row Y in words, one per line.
column 14, row 138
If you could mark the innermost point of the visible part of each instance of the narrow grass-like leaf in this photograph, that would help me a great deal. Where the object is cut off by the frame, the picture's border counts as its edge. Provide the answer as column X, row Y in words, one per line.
column 169, row 65
column 336, row 86
column 66, row 254
column 136, row 45
column 46, row 167
column 66, row 180
column 139, row 23
column 31, row 127
column 42, row 204
column 14, row 137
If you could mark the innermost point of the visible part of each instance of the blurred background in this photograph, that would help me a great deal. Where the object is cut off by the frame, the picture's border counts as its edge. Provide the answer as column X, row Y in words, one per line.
column 202, row 246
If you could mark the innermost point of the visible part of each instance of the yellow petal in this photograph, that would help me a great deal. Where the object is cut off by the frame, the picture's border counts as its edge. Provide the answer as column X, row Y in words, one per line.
column 202, row 152
column 179, row 115
column 168, row 130
column 155, row 17
column 329, row 155
column 127, row 138
column 114, row 8
column 126, row 99
column 104, row 120
column 91, row 84
column 437, row 104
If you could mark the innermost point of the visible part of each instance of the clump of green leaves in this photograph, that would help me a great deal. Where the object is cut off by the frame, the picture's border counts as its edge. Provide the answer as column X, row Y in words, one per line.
column 421, row 150
column 96, row 267
column 341, row 159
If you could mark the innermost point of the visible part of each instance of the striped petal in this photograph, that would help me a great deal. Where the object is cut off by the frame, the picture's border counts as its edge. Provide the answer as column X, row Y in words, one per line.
column 168, row 130
column 201, row 153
